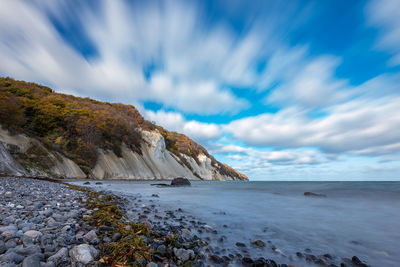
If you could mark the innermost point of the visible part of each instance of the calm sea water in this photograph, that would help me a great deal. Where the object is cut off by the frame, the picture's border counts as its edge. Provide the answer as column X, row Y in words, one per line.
column 356, row 218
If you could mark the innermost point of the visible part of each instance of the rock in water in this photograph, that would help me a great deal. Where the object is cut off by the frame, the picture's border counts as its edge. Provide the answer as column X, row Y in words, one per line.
column 180, row 181
column 311, row 194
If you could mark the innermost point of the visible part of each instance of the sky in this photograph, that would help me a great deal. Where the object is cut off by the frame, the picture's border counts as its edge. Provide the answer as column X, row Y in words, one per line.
column 280, row 90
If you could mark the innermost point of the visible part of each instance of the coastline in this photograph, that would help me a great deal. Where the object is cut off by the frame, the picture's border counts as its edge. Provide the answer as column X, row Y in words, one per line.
column 115, row 228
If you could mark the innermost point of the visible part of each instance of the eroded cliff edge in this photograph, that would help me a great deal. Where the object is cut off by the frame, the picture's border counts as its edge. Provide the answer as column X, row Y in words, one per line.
column 50, row 134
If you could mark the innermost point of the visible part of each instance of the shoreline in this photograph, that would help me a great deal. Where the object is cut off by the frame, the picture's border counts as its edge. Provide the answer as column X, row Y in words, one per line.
column 106, row 224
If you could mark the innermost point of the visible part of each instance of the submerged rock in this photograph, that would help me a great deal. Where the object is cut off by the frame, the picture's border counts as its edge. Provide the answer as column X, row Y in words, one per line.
column 180, row 181
column 311, row 194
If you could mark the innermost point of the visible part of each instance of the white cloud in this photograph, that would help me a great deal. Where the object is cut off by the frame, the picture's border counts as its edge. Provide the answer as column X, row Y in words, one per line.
column 384, row 14
column 174, row 121
column 302, row 81
column 361, row 126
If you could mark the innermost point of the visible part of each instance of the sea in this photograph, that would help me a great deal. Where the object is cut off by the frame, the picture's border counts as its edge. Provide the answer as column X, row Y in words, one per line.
column 354, row 219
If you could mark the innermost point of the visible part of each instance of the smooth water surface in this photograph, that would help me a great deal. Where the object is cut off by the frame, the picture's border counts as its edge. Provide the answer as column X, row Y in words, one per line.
column 356, row 218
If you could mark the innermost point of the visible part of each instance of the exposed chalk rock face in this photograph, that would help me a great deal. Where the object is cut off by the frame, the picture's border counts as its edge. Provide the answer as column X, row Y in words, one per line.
column 13, row 145
column 7, row 164
column 153, row 162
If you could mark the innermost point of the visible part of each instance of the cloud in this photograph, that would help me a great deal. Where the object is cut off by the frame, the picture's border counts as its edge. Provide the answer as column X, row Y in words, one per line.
column 204, row 97
column 362, row 126
column 384, row 14
column 174, row 121
column 249, row 159
column 303, row 81
column 192, row 62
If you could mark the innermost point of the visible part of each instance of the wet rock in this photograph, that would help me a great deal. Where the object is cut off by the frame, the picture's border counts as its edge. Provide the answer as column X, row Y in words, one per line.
column 356, row 261
column 99, row 183
column 184, row 254
column 216, row 259
column 247, row 261
column 258, row 243
column 86, row 183
column 151, row 264
column 155, row 195
column 180, row 181
column 311, row 194
column 239, row 244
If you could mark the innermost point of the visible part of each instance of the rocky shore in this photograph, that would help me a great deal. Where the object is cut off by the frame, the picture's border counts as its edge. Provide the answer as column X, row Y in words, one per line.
column 47, row 223
column 41, row 225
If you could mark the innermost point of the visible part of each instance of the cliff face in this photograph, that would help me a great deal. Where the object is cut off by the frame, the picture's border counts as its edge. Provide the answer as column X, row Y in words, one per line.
column 18, row 154
column 60, row 135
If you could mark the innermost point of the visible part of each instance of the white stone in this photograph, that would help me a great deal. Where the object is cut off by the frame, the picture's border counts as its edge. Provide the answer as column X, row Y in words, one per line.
column 82, row 254
column 33, row 233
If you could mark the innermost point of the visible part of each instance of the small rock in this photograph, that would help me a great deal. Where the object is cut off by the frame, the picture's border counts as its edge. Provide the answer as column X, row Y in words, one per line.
column 216, row 259
column 116, row 237
column 183, row 254
column 33, row 233
column 90, row 236
column 32, row 261
column 239, row 244
column 258, row 243
column 151, row 264
column 82, row 253
column 60, row 258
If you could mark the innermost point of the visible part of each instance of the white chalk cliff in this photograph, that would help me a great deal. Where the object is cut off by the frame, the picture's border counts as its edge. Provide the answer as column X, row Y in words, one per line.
column 153, row 162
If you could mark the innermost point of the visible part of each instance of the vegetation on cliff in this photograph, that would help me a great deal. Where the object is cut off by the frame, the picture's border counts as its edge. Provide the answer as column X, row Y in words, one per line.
column 76, row 127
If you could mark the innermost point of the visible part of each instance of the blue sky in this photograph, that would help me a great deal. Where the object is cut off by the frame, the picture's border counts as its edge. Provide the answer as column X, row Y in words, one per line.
column 280, row 90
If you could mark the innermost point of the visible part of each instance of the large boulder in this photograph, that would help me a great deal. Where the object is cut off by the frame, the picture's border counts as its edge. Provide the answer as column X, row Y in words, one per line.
column 180, row 181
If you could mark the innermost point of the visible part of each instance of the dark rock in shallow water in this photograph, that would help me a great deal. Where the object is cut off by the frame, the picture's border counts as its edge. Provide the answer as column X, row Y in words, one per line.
column 99, row 183
column 258, row 243
column 160, row 185
column 86, row 183
column 311, row 194
column 180, row 181
column 356, row 261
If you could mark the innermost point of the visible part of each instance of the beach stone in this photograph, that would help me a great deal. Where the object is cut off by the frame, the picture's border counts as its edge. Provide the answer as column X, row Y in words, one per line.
column 82, row 253
column 183, row 254
column 32, row 261
column 151, row 264
column 27, row 251
column 33, row 233
column 60, row 258
column 116, row 237
column 90, row 236
column 2, row 247
column 11, row 257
